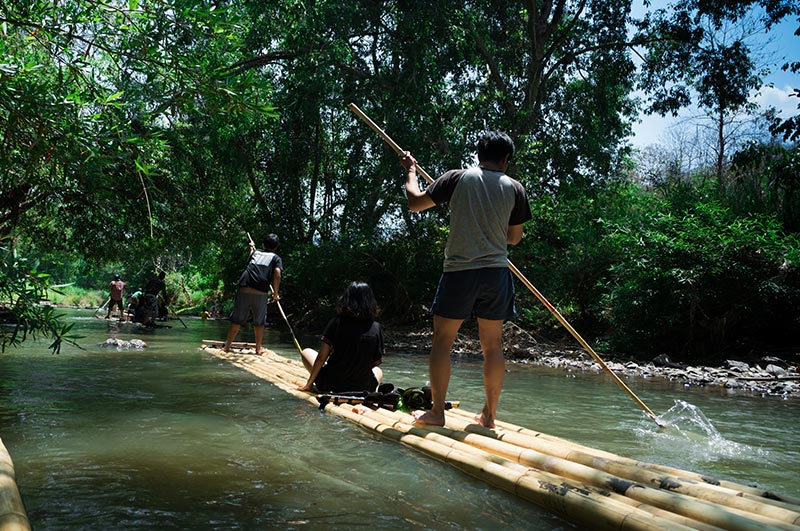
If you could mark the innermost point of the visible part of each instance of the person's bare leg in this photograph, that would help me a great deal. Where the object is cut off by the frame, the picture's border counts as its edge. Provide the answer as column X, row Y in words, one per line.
column 309, row 356
column 378, row 374
column 444, row 333
column 491, row 336
column 233, row 329
column 258, row 331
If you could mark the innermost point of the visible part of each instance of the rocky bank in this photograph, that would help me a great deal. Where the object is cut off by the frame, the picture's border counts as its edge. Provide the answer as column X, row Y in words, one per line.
column 764, row 375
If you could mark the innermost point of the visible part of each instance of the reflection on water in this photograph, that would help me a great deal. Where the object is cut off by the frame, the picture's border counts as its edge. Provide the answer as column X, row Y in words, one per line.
column 169, row 437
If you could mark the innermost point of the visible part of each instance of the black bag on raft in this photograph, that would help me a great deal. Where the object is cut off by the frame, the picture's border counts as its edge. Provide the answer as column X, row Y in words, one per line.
column 387, row 396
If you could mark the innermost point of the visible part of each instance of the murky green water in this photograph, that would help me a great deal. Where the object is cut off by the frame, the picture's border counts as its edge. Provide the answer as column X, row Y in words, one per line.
column 169, row 437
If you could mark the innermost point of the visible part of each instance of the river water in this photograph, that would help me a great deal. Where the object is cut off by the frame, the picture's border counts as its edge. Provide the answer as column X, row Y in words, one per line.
column 170, row 437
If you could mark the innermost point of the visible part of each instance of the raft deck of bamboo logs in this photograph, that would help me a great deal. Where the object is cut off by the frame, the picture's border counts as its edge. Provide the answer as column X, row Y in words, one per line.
column 12, row 511
column 589, row 487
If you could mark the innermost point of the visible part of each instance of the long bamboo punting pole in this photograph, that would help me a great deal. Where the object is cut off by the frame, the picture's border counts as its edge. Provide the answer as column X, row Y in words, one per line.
column 677, row 499
column 286, row 320
column 12, row 511
column 400, row 152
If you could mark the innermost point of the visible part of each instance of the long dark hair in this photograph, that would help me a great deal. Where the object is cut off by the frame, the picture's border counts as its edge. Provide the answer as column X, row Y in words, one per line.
column 358, row 301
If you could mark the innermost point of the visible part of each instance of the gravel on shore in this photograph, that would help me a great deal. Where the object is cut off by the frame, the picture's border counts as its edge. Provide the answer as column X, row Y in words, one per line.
column 761, row 375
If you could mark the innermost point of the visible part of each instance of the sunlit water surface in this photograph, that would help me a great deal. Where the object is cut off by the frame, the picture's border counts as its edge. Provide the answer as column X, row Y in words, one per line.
column 169, row 437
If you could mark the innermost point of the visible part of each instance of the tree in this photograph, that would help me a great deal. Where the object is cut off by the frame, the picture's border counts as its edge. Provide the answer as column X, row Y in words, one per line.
column 95, row 96
column 790, row 128
column 106, row 110
column 703, row 52
column 22, row 286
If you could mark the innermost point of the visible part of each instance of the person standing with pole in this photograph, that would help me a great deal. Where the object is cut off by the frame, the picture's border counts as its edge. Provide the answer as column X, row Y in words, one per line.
column 116, row 288
column 487, row 212
column 263, row 272
column 552, row 309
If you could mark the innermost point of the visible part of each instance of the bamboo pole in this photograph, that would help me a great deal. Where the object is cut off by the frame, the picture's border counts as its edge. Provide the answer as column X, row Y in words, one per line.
column 286, row 320
column 103, row 306
column 737, row 515
column 647, row 473
column 400, row 152
column 12, row 511
column 585, row 471
column 239, row 344
column 573, row 501
column 682, row 500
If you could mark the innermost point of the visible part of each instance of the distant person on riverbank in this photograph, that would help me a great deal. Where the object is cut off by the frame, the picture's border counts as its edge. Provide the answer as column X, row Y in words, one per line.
column 152, row 289
column 487, row 210
column 262, row 275
column 204, row 315
column 352, row 346
column 116, row 288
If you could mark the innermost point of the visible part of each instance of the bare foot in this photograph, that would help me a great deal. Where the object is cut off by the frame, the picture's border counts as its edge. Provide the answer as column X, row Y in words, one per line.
column 428, row 417
column 485, row 419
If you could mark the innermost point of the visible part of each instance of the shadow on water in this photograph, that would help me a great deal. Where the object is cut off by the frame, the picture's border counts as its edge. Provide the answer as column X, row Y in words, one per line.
column 169, row 437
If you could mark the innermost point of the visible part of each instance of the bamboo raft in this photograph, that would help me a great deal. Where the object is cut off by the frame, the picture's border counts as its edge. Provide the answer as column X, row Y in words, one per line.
column 589, row 487
column 12, row 510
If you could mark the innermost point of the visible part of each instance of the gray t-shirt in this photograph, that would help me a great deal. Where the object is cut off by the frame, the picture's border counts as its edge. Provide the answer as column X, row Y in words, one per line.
column 483, row 204
column 258, row 273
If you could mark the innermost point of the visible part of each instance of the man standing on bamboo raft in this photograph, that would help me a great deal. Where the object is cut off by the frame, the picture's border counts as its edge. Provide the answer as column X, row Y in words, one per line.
column 116, row 291
column 262, row 275
column 487, row 210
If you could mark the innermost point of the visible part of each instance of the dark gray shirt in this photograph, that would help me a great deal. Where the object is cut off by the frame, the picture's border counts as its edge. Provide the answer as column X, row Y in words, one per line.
column 483, row 204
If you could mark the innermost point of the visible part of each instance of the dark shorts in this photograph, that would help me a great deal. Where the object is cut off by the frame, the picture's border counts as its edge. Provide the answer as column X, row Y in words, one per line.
column 115, row 303
column 486, row 293
column 250, row 303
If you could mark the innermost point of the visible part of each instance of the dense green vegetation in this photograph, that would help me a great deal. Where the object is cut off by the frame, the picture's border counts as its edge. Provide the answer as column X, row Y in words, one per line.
column 139, row 136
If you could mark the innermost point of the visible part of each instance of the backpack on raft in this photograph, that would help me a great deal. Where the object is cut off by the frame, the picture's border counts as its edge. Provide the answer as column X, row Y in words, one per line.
column 387, row 396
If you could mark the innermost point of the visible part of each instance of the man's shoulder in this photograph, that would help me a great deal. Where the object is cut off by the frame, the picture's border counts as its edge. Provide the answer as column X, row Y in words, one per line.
column 449, row 178
column 441, row 190
column 518, row 185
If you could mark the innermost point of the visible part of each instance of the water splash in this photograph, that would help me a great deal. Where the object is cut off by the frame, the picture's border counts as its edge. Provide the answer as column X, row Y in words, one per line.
column 688, row 419
column 685, row 430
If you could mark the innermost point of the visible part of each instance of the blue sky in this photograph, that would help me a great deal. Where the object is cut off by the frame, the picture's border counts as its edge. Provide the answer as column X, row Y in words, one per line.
column 776, row 92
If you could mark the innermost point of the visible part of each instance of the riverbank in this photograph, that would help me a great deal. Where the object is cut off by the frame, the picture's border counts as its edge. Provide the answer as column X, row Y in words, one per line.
column 763, row 375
